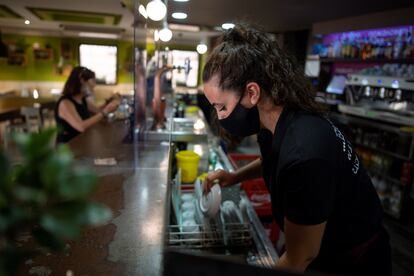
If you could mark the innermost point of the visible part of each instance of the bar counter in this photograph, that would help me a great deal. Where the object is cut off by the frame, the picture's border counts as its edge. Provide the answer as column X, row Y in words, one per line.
column 136, row 190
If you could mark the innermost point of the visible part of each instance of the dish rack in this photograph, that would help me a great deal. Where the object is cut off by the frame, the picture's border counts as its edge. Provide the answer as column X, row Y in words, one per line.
column 212, row 236
column 246, row 241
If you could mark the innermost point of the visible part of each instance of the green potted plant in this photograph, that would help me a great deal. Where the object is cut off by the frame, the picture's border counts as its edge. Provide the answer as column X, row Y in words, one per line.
column 45, row 196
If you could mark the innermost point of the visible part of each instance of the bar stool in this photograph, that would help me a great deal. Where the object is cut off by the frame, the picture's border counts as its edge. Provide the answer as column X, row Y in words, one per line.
column 32, row 123
column 48, row 118
column 33, row 118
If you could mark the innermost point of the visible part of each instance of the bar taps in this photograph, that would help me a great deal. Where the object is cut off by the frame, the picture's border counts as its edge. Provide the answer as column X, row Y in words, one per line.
column 158, row 108
column 140, row 97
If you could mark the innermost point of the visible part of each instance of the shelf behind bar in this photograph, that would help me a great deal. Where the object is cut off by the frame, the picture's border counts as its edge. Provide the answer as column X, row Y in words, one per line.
column 360, row 60
column 386, row 152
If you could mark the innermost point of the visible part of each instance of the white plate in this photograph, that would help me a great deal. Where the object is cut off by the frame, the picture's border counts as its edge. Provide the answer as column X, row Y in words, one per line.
column 198, row 188
column 210, row 203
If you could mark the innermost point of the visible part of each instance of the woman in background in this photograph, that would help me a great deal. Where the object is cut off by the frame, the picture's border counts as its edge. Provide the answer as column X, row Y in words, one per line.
column 73, row 113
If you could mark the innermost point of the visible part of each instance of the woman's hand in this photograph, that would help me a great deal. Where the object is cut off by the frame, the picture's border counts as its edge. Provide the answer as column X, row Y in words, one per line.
column 224, row 178
column 250, row 171
column 111, row 106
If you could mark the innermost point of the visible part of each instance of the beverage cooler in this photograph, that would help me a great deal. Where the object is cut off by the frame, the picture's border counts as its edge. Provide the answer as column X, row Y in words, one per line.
column 378, row 119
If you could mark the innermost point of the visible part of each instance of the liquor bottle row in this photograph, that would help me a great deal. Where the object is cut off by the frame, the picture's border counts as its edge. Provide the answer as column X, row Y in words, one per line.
column 399, row 47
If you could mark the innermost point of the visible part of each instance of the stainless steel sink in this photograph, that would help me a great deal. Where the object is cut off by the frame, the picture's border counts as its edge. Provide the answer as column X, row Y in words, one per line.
column 190, row 130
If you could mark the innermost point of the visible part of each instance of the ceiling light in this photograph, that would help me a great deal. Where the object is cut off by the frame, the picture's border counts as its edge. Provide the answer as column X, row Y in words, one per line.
column 98, row 35
column 181, row 0
column 165, row 34
column 27, row 22
column 182, row 27
column 143, row 11
column 156, row 10
column 179, row 15
column 227, row 26
column 202, row 48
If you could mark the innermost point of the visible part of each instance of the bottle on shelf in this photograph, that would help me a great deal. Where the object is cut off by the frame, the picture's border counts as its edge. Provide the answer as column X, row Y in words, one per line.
column 388, row 49
column 398, row 44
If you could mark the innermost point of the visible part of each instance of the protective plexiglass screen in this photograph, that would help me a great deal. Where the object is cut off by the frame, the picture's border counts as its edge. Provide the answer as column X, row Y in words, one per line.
column 101, row 59
column 180, row 77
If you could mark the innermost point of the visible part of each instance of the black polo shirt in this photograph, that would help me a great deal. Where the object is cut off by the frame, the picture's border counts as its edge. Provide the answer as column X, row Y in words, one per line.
column 314, row 175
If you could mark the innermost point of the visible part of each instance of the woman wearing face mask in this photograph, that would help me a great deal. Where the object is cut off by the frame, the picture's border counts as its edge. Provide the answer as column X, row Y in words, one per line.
column 322, row 197
column 73, row 113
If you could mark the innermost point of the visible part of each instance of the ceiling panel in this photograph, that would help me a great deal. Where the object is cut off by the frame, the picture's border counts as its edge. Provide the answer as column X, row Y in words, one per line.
column 277, row 15
column 5, row 12
column 76, row 16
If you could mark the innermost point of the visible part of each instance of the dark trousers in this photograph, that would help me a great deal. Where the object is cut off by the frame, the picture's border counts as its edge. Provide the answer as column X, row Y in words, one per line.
column 370, row 259
column 377, row 258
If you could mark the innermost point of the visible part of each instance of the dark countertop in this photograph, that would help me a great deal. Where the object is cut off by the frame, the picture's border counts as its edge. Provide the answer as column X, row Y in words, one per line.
column 136, row 191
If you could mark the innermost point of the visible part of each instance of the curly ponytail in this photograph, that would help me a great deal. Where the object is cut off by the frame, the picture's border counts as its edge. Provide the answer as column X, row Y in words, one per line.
column 247, row 54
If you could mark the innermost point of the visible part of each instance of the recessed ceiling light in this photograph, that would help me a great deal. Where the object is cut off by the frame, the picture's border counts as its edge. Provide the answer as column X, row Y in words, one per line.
column 156, row 10
column 202, row 48
column 179, row 15
column 181, row 0
column 165, row 34
column 27, row 22
column 227, row 26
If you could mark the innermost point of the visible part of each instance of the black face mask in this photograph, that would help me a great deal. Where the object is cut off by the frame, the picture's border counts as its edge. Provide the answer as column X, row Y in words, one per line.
column 242, row 121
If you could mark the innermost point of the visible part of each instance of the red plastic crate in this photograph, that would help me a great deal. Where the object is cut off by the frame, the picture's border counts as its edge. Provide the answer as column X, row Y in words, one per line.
column 258, row 195
column 255, row 189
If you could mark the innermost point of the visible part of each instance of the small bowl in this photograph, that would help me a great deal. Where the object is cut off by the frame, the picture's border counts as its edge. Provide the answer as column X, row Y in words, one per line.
column 210, row 203
column 187, row 215
column 189, row 226
column 187, row 197
column 190, row 230
column 187, row 206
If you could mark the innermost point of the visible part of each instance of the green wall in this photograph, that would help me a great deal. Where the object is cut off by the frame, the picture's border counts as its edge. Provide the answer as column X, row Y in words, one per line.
column 46, row 70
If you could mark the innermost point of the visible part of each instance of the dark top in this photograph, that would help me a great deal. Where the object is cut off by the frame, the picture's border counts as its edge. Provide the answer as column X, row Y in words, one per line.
column 314, row 175
column 65, row 131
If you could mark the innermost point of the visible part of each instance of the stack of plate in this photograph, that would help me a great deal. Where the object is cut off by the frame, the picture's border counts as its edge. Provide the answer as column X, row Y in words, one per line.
column 209, row 204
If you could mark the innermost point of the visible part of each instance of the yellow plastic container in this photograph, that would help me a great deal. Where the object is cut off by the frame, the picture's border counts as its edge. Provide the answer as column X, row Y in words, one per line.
column 187, row 161
column 192, row 109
